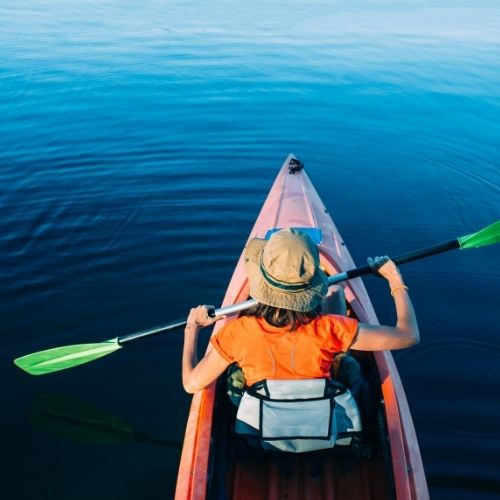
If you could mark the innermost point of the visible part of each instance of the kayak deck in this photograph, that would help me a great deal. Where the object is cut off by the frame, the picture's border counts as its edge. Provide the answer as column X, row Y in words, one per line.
column 214, row 464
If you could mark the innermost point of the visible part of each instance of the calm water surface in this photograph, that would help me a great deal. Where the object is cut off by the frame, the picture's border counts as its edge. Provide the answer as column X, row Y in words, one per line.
column 137, row 144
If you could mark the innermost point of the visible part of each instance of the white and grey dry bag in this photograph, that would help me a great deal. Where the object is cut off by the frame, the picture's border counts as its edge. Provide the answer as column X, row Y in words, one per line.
column 298, row 415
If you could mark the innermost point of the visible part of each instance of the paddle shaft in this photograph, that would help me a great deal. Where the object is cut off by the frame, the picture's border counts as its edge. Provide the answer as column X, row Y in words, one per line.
column 241, row 306
column 400, row 259
column 336, row 278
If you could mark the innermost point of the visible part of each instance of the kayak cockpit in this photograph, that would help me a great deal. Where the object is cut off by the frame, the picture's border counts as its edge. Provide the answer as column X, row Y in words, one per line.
column 361, row 470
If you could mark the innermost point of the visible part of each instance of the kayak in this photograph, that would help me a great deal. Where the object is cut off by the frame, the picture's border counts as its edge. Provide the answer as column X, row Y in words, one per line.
column 212, row 466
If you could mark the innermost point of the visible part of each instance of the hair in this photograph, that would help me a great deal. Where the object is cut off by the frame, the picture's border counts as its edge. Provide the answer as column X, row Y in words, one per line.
column 279, row 317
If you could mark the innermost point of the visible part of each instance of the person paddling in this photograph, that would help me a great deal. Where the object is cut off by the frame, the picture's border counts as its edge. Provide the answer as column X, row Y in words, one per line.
column 288, row 335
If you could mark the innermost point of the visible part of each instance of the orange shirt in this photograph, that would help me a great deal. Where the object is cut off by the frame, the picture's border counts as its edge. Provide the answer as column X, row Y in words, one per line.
column 267, row 352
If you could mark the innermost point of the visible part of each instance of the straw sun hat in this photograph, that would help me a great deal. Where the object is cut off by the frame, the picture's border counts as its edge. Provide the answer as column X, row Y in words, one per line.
column 284, row 271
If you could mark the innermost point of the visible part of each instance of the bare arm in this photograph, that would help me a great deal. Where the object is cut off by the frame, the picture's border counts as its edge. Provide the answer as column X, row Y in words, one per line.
column 405, row 333
column 196, row 375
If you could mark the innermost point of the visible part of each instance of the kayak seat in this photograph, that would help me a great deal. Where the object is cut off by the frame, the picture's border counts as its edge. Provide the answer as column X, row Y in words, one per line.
column 298, row 416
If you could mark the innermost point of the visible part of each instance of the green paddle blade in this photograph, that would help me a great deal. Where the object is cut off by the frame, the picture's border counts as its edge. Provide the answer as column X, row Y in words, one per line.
column 486, row 236
column 60, row 358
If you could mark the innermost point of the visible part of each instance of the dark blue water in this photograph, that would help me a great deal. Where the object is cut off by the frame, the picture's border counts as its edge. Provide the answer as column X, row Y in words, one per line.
column 137, row 144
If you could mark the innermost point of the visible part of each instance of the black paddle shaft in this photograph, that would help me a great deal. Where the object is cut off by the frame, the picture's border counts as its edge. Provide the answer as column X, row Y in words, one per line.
column 125, row 339
column 408, row 257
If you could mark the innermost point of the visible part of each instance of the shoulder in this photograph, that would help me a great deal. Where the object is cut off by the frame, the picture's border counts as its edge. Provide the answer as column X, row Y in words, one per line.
column 234, row 326
column 334, row 321
column 240, row 321
column 341, row 330
column 234, row 337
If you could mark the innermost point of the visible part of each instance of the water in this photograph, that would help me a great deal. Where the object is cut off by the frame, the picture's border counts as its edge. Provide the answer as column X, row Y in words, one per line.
column 138, row 143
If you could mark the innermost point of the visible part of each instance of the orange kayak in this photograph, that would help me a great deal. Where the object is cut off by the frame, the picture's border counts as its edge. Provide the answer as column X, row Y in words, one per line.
column 210, row 467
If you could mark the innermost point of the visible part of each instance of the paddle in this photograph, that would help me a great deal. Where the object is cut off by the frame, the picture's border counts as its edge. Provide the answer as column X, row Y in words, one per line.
column 60, row 358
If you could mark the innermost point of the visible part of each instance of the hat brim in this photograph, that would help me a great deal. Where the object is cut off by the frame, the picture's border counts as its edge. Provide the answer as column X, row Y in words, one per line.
column 262, row 291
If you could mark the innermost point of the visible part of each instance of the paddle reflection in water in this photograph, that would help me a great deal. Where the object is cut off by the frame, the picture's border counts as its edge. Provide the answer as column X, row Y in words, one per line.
column 77, row 421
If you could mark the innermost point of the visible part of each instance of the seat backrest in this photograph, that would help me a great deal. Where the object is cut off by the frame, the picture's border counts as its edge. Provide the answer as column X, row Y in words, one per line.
column 298, row 415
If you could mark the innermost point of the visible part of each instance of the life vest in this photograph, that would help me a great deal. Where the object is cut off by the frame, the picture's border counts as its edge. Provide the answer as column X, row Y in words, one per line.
column 298, row 415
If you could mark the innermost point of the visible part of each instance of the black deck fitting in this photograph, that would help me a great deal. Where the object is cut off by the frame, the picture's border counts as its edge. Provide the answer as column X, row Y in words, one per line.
column 294, row 165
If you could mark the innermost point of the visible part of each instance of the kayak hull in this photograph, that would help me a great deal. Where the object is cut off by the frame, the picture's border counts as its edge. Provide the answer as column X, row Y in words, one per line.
column 399, row 473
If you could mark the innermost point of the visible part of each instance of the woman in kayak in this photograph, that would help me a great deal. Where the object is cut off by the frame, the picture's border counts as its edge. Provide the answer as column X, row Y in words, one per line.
column 291, row 333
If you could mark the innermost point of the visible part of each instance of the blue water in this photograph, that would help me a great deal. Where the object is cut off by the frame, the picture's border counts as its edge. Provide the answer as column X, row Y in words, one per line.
column 137, row 144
